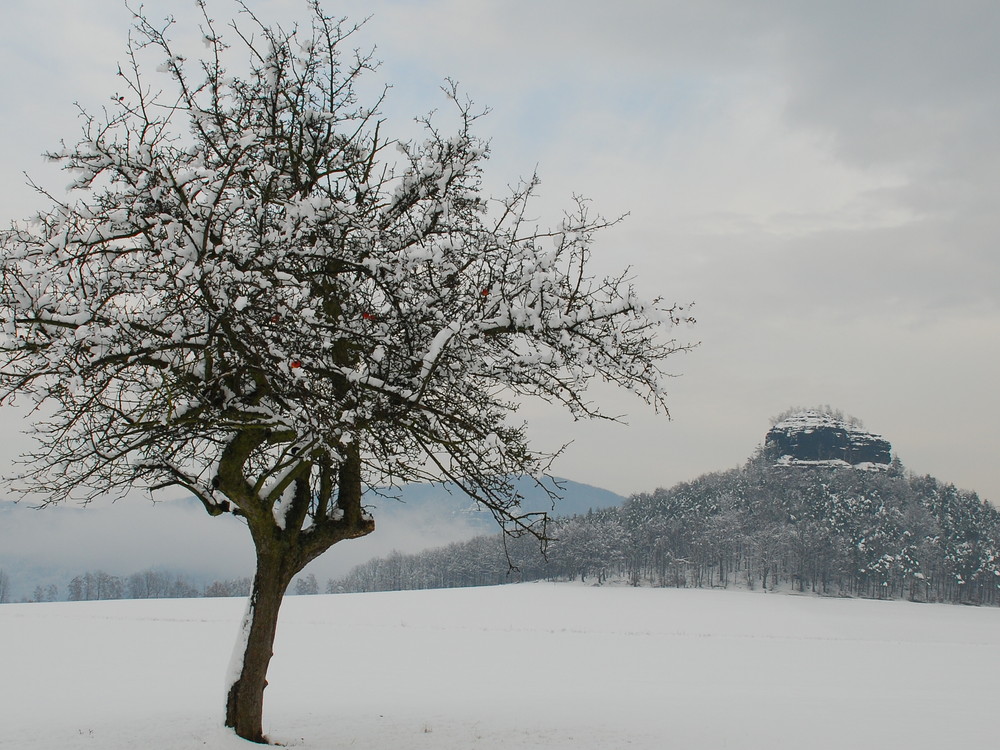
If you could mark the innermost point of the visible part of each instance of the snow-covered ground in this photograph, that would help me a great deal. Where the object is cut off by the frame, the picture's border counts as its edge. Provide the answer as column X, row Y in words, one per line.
column 521, row 666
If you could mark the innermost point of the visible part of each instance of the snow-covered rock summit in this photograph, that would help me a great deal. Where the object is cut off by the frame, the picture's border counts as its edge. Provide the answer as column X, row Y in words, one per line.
column 816, row 438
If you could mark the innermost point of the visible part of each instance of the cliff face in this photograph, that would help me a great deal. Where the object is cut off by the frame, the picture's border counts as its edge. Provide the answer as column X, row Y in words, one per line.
column 811, row 438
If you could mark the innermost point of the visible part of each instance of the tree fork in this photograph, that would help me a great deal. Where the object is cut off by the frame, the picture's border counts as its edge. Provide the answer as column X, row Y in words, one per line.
column 281, row 554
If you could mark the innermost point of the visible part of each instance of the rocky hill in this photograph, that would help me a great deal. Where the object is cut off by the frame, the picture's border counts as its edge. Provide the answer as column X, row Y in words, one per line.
column 818, row 438
column 821, row 526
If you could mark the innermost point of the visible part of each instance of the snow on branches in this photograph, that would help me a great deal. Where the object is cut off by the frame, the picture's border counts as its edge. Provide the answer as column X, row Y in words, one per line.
column 251, row 287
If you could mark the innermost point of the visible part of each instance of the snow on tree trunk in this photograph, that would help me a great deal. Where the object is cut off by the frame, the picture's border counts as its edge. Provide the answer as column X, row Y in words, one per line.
column 253, row 650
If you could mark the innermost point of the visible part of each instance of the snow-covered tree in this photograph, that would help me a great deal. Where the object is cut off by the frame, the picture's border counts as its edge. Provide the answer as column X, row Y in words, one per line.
column 254, row 294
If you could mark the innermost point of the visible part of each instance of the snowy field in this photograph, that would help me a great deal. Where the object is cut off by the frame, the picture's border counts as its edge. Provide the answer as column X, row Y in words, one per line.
column 525, row 666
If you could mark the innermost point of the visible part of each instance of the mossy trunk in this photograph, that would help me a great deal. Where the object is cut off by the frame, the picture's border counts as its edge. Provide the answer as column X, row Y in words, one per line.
column 283, row 547
column 254, row 648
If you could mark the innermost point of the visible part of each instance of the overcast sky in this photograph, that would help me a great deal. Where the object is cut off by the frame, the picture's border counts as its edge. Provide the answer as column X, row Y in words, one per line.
column 821, row 179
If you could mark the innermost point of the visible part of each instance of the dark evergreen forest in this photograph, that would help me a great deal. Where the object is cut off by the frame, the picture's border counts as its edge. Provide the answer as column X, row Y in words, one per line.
column 831, row 531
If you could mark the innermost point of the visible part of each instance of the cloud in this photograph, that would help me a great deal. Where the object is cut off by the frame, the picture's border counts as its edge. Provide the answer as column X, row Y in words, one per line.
column 820, row 178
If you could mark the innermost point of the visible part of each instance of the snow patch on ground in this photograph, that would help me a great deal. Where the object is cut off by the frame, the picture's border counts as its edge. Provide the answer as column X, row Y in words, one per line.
column 526, row 666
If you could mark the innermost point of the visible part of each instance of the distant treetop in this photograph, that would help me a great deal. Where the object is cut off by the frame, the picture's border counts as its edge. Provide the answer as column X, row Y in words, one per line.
column 823, row 410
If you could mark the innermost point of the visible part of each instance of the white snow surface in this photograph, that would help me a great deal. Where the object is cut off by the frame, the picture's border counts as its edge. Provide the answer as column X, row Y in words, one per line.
column 520, row 666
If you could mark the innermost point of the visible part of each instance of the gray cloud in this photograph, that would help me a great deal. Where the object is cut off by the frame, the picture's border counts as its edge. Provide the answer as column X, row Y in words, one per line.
column 820, row 178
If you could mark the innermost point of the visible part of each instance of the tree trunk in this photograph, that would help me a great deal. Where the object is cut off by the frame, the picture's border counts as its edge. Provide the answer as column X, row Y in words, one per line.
column 282, row 551
column 253, row 650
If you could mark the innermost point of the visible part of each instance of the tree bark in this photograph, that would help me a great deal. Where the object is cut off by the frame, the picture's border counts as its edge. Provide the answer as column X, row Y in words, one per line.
column 253, row 651
column 282, row 551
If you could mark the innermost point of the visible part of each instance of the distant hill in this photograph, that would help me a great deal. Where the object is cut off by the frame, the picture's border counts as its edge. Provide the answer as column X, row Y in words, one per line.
column 573, row 498
column 822, row 508
column 43, row 548
column 824, row 529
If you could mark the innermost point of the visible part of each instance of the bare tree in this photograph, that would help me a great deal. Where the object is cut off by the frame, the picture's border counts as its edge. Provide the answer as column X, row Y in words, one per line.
column 253, row 294
column 307, row 585
column 48, row 593
column 94, row 586
column 232, row 587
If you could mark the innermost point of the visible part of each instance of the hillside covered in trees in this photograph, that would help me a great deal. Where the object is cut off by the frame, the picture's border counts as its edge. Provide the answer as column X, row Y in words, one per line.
column 817, row 523
column 821, row 507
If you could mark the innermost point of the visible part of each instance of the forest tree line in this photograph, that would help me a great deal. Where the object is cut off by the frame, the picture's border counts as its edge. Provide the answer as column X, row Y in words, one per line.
column 95, row 585
column 98, row 585
column 839, row 532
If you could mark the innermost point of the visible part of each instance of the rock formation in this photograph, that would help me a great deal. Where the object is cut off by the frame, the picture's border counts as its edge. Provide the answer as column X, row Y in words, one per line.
column 815, row 438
